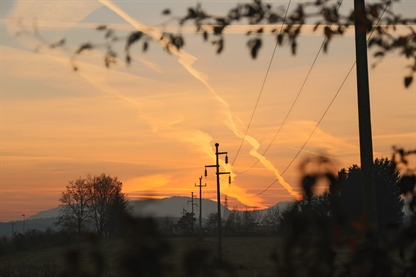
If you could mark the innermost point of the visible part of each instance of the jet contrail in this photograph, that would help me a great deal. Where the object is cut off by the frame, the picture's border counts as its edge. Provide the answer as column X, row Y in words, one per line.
column 186, row 60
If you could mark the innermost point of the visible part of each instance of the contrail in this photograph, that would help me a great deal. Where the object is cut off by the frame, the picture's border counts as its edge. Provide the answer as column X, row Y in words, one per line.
column 186, row 60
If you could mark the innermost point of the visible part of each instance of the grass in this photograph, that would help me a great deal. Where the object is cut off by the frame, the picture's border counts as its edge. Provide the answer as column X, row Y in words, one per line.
column 247, row 256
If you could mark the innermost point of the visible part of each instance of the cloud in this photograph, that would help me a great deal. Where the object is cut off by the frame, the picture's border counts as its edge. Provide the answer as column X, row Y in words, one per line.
column 145, row 183
column 54, row 11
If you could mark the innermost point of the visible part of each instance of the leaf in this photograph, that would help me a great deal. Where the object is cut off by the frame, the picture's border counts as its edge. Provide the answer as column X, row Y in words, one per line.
column 379, row 54
column 293, row 47
column 374, row 11
column 218, row 30
column 133, row 37
column 220, row 46
column 373, row 41
column 327, row 32
column 408, row 81
column 145, row 46
column 191, row 13
column 205, row 35
column 178, row 41
column 280, row 39
column 325, row 48
column 273, row 18
column 308, row 182
column 101, row 27
column 85, row 46
column 109, row 34
column 254, row 45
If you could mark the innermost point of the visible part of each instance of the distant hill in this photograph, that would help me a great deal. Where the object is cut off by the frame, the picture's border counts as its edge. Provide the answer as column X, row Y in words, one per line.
column 46, row 214
column 172, row 207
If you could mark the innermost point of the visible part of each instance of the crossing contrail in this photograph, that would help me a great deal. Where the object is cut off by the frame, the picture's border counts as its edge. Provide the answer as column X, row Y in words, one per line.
column 187, row 60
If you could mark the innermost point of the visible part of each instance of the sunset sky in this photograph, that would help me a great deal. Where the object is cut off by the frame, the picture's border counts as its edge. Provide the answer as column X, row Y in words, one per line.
column 154, row 124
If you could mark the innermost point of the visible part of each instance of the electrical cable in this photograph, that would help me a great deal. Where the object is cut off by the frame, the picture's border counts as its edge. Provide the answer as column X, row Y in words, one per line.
column 325, row 112
column 262, row 87
column 293, row 104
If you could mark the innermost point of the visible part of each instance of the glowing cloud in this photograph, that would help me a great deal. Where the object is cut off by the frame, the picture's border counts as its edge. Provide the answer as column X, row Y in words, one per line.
column 187, row 60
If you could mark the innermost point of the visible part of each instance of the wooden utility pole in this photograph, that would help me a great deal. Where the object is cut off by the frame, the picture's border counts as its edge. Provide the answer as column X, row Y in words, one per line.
column 364, row 115
column 200, row 204
column 218, row 173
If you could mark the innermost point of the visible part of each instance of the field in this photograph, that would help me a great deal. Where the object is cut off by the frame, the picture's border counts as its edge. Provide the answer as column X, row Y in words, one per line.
column 243, row 256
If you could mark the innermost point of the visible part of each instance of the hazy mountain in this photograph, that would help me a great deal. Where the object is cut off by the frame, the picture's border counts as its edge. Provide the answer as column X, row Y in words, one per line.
column 46, row 214
column 172, row 207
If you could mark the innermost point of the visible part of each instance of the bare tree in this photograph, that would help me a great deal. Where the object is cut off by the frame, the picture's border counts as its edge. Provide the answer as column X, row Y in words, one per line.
column 76, row 205
column 96, row 198
column 104, row 190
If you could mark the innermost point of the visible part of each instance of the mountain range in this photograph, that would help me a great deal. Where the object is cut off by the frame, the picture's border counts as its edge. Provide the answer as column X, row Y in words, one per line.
column 172, row 207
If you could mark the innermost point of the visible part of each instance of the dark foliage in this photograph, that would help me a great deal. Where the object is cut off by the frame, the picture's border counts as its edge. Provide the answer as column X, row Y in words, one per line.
column 35, row 239
column 321, row 244
column 389, row 202
column 316, row 238
column 186, row 223
column 376, row 18
column 94, row 202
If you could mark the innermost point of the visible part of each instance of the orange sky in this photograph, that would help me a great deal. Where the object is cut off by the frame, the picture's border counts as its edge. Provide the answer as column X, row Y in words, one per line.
column 154, row 124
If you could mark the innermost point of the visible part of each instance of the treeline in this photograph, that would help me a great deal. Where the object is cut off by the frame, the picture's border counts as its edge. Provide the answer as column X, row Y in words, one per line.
column 35, row 239
column 343, row 200
column 322, row 235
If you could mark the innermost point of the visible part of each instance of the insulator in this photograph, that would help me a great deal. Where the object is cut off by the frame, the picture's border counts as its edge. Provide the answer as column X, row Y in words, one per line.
column 206, row 172
column 226, row 159
column 229, row 180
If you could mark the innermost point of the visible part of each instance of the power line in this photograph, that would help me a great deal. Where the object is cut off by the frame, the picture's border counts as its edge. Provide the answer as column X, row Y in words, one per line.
column 325, row 112
column 294, row 101
column 262, row 87
column 313, row 131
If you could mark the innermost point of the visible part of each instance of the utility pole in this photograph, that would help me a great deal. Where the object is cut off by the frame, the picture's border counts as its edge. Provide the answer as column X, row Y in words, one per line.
column 24, row 219
column 192, row 209
column 364, row 115
column 192, row 201
column 200, row 205
column 225, row 207
column 218, row 173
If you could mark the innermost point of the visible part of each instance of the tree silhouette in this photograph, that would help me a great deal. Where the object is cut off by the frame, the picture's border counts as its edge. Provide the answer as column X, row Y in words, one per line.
column 104, row 190
column 389, row 203
column 186, row 222
column 118, row 213
column 212, row 223
column 76, row 205
column 233, row 223
column 96, row 198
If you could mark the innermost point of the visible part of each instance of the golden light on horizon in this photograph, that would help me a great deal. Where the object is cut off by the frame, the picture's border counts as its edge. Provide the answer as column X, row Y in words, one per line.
column 154, row 124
